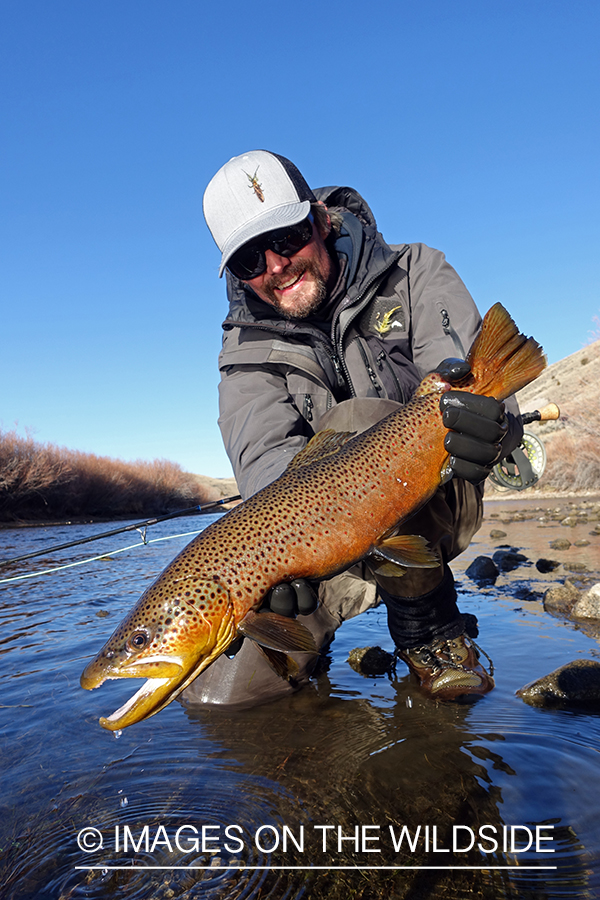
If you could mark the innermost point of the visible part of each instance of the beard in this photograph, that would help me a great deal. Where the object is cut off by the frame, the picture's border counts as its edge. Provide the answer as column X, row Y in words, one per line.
column 308, row 300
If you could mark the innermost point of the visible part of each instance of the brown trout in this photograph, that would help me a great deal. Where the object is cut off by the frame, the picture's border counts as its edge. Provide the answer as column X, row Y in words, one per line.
column 338, row 502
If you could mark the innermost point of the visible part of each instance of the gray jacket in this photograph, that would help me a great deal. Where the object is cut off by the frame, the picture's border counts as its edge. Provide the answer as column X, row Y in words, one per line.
column 401, row 310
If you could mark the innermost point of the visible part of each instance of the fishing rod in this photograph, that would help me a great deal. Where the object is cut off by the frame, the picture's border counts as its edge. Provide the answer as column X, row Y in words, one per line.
column 190, row 511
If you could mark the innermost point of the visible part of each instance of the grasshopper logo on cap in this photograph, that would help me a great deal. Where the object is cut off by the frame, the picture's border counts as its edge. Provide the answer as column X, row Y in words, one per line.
column 255, row 185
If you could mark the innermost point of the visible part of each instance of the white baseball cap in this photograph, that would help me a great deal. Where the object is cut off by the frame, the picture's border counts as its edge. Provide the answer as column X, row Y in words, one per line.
column 252, row 194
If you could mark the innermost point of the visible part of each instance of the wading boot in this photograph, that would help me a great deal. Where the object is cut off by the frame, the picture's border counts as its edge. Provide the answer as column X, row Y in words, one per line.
column 449, row 668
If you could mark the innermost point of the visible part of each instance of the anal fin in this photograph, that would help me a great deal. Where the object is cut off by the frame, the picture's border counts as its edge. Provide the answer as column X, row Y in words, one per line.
column 410, row 551
column 383, row 568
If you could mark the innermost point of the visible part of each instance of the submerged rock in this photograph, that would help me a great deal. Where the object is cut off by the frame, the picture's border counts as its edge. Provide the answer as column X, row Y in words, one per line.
column 560, row 599
column 546, row 565
column 496, row 534
column 560, row 544
column 588, row 605
column 483, row 571
column 507, row 560
column 371, row 660
column 570, row 521
column 523, row 592
column 575, row 567
column 576, row 684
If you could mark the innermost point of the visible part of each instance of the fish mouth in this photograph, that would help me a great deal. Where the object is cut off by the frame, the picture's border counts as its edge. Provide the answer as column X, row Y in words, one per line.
column 157, row 691
column 153, row 696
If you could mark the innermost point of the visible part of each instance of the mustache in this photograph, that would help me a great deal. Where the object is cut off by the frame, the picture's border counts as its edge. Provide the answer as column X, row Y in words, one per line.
column 291, row 273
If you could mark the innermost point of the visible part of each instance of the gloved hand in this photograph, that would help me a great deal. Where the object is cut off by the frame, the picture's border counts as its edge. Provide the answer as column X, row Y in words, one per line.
column 478, row 426
column 299, row 597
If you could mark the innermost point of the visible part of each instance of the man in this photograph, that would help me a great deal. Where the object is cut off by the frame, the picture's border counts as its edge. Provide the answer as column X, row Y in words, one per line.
column 329, row 326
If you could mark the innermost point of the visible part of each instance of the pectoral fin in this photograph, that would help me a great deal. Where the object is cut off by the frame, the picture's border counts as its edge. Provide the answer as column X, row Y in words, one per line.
column 277, row 632
column 406, row 550
column 281, row 663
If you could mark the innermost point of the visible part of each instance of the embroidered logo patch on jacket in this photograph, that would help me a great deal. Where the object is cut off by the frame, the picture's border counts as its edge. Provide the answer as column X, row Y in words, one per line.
column 384, row 317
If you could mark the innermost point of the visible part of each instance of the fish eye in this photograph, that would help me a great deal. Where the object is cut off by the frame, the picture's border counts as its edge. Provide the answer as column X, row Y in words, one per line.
column 138, row 640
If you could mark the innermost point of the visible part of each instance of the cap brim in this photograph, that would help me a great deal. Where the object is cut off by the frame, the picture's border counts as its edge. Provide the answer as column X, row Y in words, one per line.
column 280, row 217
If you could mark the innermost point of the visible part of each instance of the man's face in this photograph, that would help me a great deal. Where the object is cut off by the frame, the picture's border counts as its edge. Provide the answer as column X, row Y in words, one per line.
column 298, row 285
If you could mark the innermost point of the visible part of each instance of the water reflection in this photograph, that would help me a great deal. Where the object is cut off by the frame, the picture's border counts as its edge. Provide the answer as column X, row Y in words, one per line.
column 413, row 765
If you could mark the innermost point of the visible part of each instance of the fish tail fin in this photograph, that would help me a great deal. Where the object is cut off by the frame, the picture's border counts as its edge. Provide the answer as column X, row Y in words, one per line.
column 502, row 359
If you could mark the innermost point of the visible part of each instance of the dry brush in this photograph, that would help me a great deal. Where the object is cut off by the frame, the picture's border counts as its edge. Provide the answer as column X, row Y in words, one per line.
column 43, row 482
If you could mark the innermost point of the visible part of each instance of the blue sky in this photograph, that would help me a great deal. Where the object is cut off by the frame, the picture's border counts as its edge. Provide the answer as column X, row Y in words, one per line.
column 472, row 126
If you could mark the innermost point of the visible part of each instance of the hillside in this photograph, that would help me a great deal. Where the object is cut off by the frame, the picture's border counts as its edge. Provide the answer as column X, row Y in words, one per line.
column 572, row 383
column 572, row 442
column 217, row 488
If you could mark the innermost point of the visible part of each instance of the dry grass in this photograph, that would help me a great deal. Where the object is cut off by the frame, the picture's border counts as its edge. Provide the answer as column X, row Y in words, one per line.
column 43, row 481
column 573, row 453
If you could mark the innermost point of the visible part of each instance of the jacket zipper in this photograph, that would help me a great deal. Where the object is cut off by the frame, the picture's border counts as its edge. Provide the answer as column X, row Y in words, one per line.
column 376, row 384
column 449, row 330
column 381, row 359
column 339, row 371
column 308, row 408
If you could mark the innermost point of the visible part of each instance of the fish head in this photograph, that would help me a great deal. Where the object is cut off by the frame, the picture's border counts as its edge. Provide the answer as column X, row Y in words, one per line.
column 178, row 627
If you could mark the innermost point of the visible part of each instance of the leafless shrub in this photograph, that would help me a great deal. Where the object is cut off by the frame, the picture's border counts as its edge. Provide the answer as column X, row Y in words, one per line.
column 43, row 481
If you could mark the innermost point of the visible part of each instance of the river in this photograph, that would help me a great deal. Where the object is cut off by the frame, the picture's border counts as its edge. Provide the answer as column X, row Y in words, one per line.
column 356, row 787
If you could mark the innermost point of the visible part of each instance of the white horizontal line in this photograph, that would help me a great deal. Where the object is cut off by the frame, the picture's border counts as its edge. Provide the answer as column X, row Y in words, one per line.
column 308, row 868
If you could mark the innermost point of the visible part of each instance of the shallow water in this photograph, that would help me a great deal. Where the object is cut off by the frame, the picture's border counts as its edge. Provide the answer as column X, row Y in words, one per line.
column 323, row 781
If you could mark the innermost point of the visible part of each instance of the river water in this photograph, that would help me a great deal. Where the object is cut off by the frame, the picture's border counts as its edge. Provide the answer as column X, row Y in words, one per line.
column 357, row 787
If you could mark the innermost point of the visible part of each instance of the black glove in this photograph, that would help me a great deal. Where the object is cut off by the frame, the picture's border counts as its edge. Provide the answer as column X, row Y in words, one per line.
column 478, row 426
column 299, row 597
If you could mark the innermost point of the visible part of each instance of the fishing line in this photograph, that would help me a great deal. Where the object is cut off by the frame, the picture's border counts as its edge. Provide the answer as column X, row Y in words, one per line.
column 190, row 511
column 82, row 562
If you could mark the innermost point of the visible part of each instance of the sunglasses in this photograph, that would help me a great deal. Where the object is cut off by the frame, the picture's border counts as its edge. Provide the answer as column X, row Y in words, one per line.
column 249, row 261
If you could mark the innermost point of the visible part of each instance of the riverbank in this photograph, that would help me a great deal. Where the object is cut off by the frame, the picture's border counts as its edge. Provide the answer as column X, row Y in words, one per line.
column 546, row 551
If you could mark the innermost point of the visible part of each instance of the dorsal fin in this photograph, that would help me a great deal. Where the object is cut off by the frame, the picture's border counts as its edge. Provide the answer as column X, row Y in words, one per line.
column 324, row 443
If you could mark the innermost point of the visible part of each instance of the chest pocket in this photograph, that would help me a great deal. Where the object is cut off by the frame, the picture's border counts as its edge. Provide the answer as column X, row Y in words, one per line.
column 386, row 317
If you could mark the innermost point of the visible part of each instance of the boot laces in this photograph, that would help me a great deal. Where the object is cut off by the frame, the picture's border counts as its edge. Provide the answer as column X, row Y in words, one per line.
column 429, row 655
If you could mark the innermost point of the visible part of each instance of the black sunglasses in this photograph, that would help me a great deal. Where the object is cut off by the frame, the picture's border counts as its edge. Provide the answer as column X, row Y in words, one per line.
column 249, row 261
